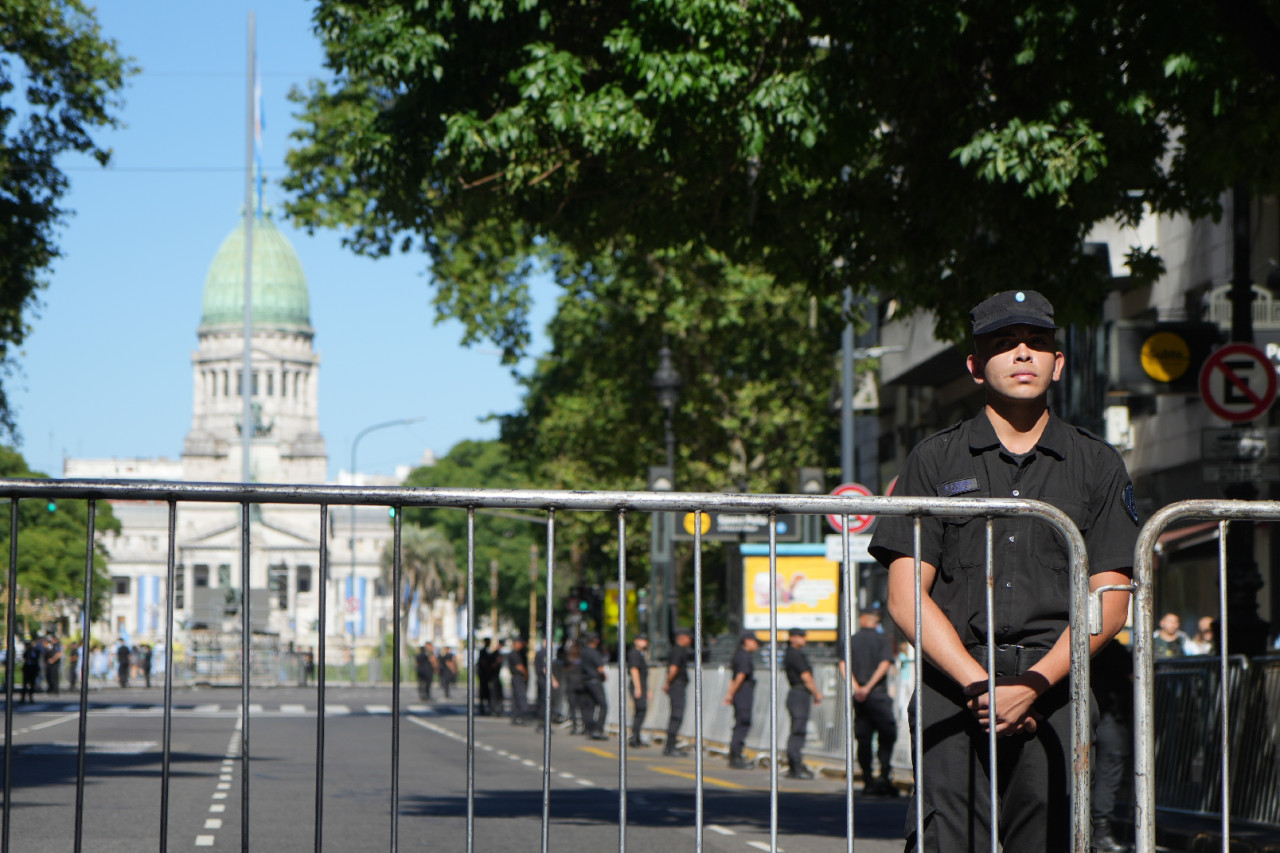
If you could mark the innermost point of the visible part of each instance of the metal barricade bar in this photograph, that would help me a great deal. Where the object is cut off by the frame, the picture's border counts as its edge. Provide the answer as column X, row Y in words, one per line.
column 552, row 502
column 1222, row 511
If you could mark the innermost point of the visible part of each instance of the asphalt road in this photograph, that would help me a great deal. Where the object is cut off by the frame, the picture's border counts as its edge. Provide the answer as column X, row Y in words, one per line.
column 122, row 794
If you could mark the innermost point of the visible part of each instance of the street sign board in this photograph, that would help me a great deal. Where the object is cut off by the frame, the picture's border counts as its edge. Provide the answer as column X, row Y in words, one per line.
column 857, row 523
column 1241, row 472
column 1240, row 444
column 1238, row 382
column 731, row 526
column 858, row 545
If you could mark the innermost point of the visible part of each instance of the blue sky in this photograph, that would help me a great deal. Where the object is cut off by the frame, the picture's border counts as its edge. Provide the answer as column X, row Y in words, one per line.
column 106, row 370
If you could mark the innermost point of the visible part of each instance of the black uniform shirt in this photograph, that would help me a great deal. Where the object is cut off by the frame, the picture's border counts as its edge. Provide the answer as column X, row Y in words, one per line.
column 744, row 663
column 517, row 661
column 591, row 663
column 1070, row 468
column 867, row 650
column 796, row 664
column 679, row 657
column 637, row 660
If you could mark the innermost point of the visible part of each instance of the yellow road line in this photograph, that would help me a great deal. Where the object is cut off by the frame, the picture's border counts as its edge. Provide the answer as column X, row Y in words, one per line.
column 603, row 753
column 707, row 779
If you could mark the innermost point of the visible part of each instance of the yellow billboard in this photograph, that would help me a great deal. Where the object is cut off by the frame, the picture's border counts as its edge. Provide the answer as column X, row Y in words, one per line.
column 611, row 608
column 808, row 593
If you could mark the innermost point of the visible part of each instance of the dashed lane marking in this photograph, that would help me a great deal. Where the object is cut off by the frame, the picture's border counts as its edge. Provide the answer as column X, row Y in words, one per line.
column 204, row 840
column 213, row 823
column 760, row 845
column 723, row 830
column 377, row 709
column 293, row 709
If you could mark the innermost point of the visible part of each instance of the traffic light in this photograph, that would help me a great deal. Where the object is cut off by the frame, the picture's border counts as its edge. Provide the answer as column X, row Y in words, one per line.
column 575, row 601
column 52, row 506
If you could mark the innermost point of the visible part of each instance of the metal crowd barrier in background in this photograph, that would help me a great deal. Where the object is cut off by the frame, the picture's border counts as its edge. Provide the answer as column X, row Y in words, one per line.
column 1216, row 692
column 621, row 504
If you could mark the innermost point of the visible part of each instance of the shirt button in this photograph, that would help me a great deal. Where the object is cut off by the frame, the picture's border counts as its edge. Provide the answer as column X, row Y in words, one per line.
column 1008, row 585
column 1016, row 493
column 1010, row 538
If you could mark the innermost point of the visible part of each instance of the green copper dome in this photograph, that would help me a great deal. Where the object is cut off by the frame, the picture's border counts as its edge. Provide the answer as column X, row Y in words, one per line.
column 279, row 285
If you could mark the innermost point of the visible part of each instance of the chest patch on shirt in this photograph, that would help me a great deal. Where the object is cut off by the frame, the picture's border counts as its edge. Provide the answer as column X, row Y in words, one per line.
column 958, row 487
column 1130, row 505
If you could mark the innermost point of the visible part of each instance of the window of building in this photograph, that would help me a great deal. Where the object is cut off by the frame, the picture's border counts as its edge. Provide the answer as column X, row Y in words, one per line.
column 304, row 579
column 278, row 584
column 179, row 587
column 224, row 576
column 200, row 576
column 255, row 383
column 271, row 384
column 121, row 584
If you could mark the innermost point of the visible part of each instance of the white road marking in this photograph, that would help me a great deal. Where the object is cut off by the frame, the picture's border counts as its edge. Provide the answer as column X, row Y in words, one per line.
column 206, row 709
column 419, row 709
column 293, row 709
column 377, row 709
column 204, row 840
column 336, row 710
column 760, row 845
column 225, row 777
column 224, row 786
column 254, row 708
column 585, row 783
column 567, row 776
column 213, row 823
column 527, row 763
column 221, row 795
column 714, row 827
column 217, row 808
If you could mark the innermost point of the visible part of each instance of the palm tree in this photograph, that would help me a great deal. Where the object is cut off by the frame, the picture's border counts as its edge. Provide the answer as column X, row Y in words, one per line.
column 428, row 572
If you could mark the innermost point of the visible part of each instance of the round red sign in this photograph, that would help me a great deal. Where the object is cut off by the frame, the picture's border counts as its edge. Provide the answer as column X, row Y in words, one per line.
column 857, row 523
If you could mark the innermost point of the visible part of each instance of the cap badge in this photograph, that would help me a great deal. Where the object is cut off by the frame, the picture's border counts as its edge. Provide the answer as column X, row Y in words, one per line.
column 1020, row 296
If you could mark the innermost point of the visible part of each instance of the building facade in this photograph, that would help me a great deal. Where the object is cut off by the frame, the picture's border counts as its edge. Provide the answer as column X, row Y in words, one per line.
column 286, row 447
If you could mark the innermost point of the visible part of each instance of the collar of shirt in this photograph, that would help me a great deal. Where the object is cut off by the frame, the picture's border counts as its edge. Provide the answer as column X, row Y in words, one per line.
column 1054, row 440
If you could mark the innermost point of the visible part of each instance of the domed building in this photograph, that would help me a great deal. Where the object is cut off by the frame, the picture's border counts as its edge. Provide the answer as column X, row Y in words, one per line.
column 286, row 447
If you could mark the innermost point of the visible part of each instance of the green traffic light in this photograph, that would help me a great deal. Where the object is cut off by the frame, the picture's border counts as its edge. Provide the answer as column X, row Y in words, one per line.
column 584, row 606
column 392, row 512
column 52, row 506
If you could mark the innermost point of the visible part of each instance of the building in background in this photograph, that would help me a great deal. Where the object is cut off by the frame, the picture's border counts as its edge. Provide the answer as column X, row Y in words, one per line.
column 287, row 447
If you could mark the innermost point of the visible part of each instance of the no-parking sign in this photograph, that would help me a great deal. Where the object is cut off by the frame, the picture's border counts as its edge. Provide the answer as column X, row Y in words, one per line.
column 857, row 523
column 1238, row 382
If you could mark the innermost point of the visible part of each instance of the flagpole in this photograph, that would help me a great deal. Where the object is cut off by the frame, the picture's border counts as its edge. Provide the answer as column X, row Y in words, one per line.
column 246, row 375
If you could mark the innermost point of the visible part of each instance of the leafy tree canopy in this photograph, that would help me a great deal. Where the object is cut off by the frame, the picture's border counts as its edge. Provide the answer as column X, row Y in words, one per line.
column 51, row 549
column 933, row 152
column 60, row 80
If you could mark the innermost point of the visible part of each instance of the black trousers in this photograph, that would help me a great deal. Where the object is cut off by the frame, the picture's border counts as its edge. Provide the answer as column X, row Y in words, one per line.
column 1033, row 776
column 30, row 672
column 742, row 702
column 578, row 704
column 446, row 682
column 799, row 700
column 519, row 698
column 596, row 707
column 675, row 693
column 874, row 718
column 1113, row 743
column 641, row 701
column 424, row 683
column 53, row 677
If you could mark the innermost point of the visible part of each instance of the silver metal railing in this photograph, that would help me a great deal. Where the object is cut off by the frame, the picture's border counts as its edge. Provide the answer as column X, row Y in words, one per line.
column 1222, row 689
column 552, row 503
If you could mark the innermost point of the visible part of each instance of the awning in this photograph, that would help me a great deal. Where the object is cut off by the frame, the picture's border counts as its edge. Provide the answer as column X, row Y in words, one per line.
column 1187, row 537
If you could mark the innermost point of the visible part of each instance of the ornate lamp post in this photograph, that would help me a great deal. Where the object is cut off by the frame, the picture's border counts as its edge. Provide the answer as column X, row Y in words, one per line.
column 667, row 382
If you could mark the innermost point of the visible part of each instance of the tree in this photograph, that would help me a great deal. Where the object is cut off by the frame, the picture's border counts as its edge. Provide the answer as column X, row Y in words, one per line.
column 505, row 537
column 60, row 81
column 930, row 152
column 51, row 552
column 428, row 572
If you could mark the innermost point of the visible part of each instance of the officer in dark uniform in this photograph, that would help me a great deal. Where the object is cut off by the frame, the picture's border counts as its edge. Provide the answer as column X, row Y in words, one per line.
column 741, row 695
column 425, row 666
column 483, row 663
column 803, row 692
column 32, row 655
column 1015, row 447
column 871, row 656
column 675, row 686
column 638, row 683
column 518, row 666
column 577, row 695
column 597, row 706
column 1111, row 674
column 540, row 675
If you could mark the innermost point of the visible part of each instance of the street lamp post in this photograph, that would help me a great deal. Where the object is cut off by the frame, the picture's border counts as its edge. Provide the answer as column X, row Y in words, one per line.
column 352, row 542
column 667, row 382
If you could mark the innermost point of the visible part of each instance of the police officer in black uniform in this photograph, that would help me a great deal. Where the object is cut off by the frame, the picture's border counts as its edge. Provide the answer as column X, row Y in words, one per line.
column 518, row 667
column 596, row 708
column 1015, row 447
column 1111, row 675
column 540, row 674
column 675, row 685
column 741, row 695
column 802, row 695
column 871, row 656
column 638, row 683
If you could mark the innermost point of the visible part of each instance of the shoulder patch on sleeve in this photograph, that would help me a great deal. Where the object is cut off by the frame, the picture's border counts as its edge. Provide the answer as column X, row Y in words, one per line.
column 1130, row 505
column 958, row 487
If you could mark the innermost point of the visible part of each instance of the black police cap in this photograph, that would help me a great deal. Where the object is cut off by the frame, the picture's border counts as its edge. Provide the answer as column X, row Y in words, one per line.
column 1012, row 308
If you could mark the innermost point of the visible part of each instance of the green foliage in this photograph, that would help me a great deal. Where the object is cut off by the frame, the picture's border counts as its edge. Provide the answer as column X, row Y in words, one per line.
column 428, row 570
column 506, row 537
column 51, row 549
column 59, row 81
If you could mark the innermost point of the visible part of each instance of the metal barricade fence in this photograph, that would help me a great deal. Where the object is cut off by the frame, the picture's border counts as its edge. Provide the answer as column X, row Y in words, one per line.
column 1085, row 612
column 1164, row 745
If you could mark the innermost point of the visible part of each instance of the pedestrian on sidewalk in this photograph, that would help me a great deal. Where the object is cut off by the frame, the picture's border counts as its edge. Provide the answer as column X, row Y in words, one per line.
column 741, row 695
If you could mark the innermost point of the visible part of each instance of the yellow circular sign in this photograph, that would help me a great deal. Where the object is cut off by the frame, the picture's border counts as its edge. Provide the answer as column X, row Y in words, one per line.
column 1165, row 356
column 688, row 523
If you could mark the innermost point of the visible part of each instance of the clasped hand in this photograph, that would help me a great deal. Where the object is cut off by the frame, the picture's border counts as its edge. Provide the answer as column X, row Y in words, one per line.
column 1015, row 704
